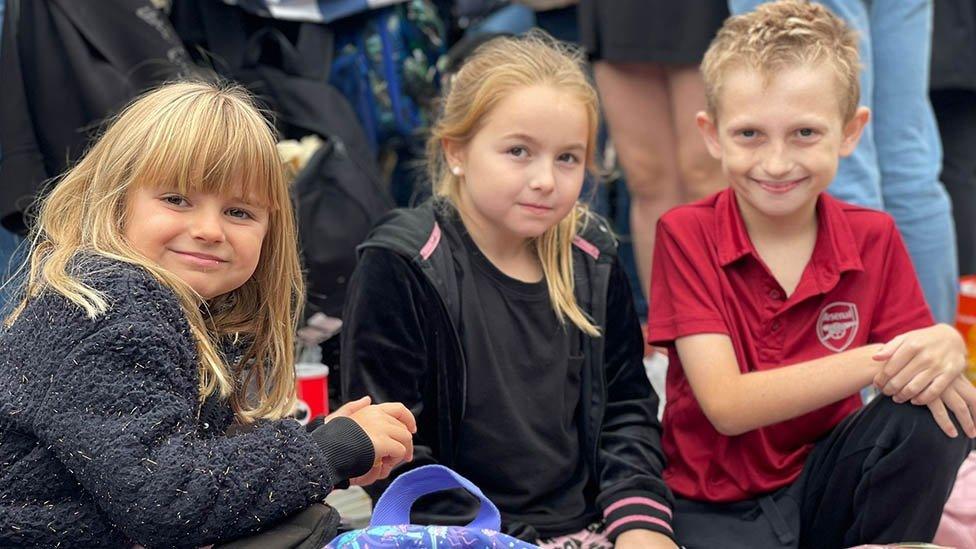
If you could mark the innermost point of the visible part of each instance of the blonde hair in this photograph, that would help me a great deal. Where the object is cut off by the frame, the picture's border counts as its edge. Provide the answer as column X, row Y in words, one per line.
column 496, row 69
column 783, row 34
column 191, row 136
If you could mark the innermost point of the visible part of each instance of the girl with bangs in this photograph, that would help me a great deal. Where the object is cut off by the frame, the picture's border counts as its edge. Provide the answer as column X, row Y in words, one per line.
column 498, row 312
column 147, row 369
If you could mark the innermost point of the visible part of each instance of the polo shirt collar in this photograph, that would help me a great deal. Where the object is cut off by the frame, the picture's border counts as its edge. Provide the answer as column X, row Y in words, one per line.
column 834, row 253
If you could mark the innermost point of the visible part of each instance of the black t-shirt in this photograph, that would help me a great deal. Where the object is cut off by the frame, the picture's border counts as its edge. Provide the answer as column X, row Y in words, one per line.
column 519, row 439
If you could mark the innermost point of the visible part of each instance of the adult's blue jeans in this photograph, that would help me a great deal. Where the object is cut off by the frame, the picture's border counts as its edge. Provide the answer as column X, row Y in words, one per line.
column 897, row 162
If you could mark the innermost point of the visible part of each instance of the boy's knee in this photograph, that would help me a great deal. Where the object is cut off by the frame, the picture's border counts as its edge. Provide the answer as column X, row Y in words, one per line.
column 914, row 428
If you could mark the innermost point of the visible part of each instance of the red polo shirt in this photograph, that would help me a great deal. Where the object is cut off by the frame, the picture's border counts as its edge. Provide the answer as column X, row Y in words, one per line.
column 858, row 288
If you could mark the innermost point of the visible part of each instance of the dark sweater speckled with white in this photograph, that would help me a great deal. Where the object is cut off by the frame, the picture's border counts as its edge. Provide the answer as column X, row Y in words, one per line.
column 102, row 441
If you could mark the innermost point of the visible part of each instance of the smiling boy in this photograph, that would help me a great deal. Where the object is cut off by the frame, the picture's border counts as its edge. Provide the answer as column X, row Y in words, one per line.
column 777, row 303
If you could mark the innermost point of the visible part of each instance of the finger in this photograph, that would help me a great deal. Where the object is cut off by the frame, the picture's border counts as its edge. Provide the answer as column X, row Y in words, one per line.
column 409, row 446
column 939, row 385
column 941, row 417
column 888, row 349
column 902, row 356
column 401, row 413
column 352, row 407
column 960, row 409
column 906, row 372
column 967, row 391
column 367, row 479
column 391, row 448
column 398, row 432
column 911, row 387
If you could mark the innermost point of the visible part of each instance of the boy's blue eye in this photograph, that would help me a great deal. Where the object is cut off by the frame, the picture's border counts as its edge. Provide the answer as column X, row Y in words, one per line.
column 748, row 133
column 806, row 132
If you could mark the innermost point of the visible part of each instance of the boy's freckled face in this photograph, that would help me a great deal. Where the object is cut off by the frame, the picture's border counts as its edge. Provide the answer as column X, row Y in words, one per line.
column 780, row 140
column 212, row 242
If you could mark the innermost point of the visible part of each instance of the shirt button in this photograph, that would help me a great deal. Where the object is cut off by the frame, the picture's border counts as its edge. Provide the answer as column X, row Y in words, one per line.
column 776, row 325
column 774, row 294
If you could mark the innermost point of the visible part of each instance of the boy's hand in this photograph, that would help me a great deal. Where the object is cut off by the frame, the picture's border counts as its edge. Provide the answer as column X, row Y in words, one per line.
column 643, row 539
column 920, row 364
column 960, row 397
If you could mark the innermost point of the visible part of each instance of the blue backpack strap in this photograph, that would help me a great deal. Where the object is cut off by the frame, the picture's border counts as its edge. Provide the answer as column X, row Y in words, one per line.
column 393, row 507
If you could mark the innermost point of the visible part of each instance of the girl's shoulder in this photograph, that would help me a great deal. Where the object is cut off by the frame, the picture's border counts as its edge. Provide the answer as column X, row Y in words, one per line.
column 595, row 237
column 132, row 294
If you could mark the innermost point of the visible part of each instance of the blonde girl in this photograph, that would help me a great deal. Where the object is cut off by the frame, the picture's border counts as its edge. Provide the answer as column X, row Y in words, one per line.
column 499, row 314
column 161, row 295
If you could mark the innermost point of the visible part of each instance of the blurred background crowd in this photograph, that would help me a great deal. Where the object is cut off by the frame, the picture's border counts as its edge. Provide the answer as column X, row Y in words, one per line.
column 352, row 86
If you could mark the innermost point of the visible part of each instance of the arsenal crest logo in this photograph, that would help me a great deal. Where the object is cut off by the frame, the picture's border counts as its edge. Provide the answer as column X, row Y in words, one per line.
column 837, row 325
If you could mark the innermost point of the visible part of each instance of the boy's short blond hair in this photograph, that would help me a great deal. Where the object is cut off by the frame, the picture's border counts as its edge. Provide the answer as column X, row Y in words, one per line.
column 783, row 34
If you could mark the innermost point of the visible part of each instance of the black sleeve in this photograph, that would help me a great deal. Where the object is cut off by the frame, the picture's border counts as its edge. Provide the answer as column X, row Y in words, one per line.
column 120, row 414
column 632, row 493
column 390, row 338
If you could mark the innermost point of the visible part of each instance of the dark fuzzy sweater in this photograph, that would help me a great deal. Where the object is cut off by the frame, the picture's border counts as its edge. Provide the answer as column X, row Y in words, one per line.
column 103, row 442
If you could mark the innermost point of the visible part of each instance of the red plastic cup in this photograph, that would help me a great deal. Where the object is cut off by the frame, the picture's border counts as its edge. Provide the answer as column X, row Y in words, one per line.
column 313, row 391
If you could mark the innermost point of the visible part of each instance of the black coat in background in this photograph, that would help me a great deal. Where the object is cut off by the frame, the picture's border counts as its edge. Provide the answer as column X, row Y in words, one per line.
column 66, row 66
column 953, row 94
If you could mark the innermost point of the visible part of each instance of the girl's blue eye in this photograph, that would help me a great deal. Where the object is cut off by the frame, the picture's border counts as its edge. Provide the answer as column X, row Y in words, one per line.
column 174, row 199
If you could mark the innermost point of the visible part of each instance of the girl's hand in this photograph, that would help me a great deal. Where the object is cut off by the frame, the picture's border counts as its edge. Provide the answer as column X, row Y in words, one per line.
column 390, row 427
column 348, row 409
column 960, row 397
column 643, row 539
column 920, row 364
column 380, row 470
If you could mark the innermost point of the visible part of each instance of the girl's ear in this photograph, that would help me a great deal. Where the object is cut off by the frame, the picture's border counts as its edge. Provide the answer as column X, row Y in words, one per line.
column 454, row 153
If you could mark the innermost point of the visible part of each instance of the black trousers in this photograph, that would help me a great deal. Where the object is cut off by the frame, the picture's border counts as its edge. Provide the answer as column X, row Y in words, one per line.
column 956, row 113
column 882, row 475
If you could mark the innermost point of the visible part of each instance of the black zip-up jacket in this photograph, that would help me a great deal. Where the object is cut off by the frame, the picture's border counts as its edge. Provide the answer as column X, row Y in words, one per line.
column 400, row 343
column 103, row 441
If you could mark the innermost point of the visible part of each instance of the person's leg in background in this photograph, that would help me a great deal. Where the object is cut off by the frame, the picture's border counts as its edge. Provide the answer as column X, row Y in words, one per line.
column 956, row 113
column 636, row 104
column 699, row 174
column 909, row 150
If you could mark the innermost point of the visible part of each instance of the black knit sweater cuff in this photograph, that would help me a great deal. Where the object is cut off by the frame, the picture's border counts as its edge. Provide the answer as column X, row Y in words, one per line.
column 346, row 446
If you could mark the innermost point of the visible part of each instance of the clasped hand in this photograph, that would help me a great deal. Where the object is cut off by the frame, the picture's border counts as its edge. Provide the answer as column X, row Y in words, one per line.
column 925, row 367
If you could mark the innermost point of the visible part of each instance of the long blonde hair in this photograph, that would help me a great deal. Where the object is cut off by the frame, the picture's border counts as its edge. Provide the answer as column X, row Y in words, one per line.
column 495, row 70
column 192, row 136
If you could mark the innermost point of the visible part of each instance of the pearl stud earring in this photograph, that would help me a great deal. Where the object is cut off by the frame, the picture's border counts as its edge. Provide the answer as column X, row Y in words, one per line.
column 456, row 170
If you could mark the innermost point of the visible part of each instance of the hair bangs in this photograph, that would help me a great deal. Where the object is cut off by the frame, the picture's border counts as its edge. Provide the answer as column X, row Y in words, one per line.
column 209, row 145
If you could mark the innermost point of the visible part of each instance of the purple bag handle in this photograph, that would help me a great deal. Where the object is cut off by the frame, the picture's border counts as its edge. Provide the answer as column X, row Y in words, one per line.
column 393, row 507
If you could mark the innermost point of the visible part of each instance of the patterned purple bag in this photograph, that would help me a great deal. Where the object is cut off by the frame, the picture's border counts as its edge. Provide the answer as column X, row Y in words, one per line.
column 390, row 526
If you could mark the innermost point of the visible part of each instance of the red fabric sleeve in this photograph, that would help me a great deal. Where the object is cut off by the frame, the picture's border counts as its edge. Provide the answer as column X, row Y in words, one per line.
column 685, row 287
